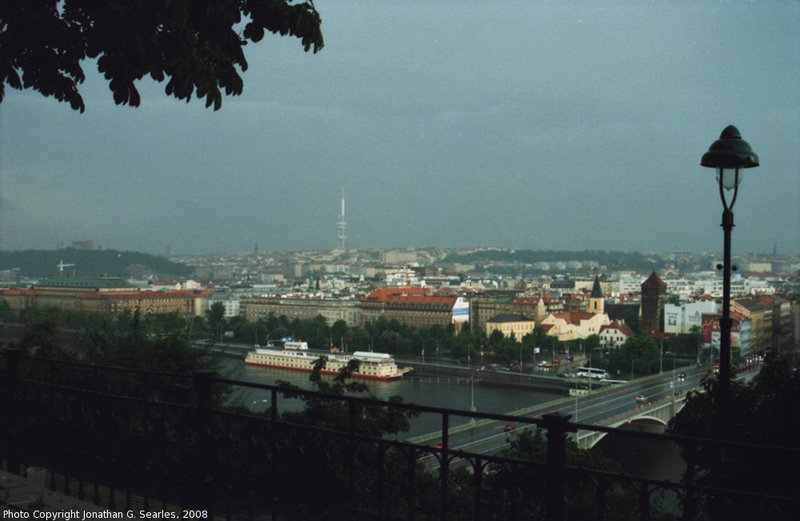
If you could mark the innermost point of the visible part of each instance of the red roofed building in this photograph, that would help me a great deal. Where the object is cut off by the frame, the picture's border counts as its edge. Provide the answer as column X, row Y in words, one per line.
column 19, row 299
column 414, row 307
column 574, row 325
column 107, row 295
column 614, row 334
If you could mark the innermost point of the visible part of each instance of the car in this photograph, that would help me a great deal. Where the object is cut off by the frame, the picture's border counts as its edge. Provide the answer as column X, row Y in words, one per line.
column 681, row 377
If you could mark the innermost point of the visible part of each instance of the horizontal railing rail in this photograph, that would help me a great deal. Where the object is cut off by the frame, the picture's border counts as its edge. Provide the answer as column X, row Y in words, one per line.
column 130, row 440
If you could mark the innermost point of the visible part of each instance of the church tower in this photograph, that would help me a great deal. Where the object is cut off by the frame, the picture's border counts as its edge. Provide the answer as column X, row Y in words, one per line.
column 597, row 301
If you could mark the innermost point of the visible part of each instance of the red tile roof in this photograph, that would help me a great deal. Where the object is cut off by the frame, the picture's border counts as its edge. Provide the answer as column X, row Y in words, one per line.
column 19, row 291
column 620, row 326
column 409, row 295
column 574, row 317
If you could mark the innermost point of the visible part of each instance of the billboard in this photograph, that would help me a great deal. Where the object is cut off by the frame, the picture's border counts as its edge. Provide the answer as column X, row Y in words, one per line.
column 712, row 333
column 461, row 311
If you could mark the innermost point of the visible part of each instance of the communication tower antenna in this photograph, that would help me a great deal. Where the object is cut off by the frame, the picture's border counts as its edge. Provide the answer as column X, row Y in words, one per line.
column 342, row 226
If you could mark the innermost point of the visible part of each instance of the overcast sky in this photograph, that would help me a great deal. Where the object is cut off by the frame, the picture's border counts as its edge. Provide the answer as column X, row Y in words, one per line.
column 545, row 125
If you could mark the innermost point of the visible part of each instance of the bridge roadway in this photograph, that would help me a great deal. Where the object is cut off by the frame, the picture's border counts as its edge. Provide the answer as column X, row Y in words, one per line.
column 611, row 406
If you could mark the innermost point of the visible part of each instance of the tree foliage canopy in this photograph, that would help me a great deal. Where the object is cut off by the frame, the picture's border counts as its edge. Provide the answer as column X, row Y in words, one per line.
column 766, row 413
column 194, row 45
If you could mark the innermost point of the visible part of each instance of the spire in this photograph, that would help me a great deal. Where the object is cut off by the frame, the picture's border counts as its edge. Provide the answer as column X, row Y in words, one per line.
column 597, row 291
column 597, row 301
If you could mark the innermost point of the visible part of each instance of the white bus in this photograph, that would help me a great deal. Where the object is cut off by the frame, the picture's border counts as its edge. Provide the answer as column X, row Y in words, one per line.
column 591, row 372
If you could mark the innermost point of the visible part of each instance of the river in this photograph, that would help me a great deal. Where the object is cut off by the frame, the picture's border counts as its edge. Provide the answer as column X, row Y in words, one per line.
column 445, row 392
column 637, row 457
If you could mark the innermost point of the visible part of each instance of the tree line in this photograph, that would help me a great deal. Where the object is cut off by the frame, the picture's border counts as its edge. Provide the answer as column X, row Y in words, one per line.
column 639, row 356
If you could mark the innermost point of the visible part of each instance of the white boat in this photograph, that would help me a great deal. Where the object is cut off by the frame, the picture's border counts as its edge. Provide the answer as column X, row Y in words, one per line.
column 297, row 357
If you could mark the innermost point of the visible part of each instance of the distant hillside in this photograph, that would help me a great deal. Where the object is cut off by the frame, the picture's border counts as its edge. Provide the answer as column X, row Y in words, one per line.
column 44, row 263
column 611, row 259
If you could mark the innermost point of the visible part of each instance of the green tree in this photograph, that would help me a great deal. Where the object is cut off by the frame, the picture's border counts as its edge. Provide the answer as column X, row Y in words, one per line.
column 631, row 318
column 320, row 459
column 216, row 321
column 339, row 333
column 591, row 342
column 638, row 351
column 42, row 331
column 196, row 46
column 6, row 313
column 519, row 492
column 765, row 412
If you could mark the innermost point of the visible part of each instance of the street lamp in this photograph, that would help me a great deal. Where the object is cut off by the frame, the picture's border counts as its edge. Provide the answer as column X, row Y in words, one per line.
column 728, row 155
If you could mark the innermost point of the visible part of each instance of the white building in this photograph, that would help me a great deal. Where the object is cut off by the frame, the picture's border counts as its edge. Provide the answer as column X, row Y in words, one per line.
column 228, row 300
column 630, row 282
column 681, row 319
column 574, row 325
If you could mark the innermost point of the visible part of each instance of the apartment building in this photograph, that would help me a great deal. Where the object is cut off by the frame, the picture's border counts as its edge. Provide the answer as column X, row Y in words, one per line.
column 509, row 324
column 415, row 307
column 490, row 304
column 302, row 307
column 760, row 314
column 185, row 303
column 109, row 295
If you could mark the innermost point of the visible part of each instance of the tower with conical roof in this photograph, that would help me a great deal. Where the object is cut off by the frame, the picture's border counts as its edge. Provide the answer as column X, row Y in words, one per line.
column 597, row 301
column 654, row 296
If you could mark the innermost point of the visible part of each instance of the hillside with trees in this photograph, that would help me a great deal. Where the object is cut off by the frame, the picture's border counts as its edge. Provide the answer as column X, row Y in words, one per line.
column 615, row 259
column 112, row 263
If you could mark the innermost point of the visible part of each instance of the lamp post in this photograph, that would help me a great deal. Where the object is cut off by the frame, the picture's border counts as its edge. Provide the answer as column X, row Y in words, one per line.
column 728, row 155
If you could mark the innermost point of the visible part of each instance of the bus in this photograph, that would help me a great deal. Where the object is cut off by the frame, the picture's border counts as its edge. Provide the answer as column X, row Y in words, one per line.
column 591, row 372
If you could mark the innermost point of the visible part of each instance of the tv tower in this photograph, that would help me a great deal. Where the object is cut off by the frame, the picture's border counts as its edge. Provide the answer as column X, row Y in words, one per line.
column 342, row 225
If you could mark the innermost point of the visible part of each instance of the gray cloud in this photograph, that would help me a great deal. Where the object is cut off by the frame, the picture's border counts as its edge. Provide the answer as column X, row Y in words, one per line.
column 522, row 124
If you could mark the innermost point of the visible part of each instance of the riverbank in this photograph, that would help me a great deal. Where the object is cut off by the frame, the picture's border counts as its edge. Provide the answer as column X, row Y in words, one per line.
column 450, row 373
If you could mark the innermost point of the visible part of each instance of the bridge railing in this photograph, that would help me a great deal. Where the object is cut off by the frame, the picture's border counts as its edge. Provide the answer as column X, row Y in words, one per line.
column 131, row 440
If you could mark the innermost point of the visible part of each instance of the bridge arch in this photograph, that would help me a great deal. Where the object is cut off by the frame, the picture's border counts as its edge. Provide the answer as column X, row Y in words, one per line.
column 644, row 423
column 659, row 414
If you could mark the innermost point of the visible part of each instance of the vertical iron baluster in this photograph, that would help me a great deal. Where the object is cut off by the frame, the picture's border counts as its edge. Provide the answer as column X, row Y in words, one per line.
column 202, row 385
column 412, row 467
column 478, row 484
column 445, row 464
column 557, row 428
column 644, row 502
column 12, row 407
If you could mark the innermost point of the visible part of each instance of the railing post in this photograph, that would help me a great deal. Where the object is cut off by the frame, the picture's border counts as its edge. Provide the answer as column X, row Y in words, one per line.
column 444, row 467
column 10, row 407
column 203, row 381
column 557, row 428
column 351, row 456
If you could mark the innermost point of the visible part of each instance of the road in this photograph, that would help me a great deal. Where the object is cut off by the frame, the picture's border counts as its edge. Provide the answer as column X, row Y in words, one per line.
column 596, row 407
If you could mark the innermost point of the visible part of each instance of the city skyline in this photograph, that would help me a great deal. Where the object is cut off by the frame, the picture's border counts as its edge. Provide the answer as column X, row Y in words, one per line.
column 545, row 127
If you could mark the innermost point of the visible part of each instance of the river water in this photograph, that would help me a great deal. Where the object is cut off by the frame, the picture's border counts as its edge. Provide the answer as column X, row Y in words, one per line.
column 445, row 392
column 637, row 457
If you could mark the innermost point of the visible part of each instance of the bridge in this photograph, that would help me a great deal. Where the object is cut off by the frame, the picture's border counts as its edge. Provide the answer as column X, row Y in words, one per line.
column 660, row 412
column 614, row 405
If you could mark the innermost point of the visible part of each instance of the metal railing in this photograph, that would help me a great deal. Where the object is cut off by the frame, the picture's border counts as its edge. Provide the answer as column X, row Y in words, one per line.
column 132, row 440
